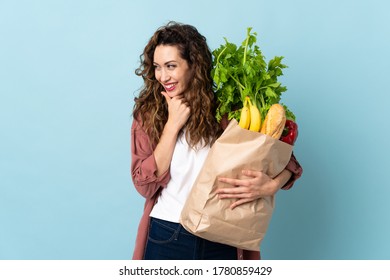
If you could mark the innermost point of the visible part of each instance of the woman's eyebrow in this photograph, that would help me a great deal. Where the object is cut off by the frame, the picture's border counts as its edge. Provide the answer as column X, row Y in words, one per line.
column 170, row 61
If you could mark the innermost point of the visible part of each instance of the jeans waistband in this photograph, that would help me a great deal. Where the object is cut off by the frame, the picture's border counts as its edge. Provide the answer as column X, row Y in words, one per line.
column 172, row 225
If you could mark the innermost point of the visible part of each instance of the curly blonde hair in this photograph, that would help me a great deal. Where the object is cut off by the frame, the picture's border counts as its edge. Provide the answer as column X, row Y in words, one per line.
column 151, row 107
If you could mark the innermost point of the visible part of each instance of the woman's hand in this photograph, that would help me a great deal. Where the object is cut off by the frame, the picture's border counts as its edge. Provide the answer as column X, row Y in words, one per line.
column 178, row 111
column 256, row 185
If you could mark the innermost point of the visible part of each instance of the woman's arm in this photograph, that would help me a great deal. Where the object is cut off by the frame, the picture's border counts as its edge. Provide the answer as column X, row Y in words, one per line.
column 178, row 113
column 143, row 163
column 150, row 165
column 296, row 170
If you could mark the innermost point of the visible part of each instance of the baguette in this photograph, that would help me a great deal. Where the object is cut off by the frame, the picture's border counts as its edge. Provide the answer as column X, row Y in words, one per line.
column 274, row 122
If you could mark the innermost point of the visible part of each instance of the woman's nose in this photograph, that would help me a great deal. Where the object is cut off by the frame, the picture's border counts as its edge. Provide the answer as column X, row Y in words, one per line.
column 165, row 76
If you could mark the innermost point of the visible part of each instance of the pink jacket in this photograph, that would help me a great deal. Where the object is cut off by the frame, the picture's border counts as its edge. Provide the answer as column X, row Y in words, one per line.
column 143, row 170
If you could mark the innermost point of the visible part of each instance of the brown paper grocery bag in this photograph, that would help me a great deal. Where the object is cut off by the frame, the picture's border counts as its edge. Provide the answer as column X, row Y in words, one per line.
column 209, row 217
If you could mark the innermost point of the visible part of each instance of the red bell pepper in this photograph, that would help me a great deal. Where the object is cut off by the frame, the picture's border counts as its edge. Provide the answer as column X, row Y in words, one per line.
column 290, row 132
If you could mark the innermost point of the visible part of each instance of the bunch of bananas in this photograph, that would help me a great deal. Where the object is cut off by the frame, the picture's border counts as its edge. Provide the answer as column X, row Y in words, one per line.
column 274, row 121
column 250, row 117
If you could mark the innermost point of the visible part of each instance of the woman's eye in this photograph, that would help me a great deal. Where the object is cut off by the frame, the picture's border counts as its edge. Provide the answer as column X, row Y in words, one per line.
column 171, row 66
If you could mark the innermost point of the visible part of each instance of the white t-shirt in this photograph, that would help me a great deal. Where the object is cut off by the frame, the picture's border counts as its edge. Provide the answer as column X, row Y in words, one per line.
column 185, row 166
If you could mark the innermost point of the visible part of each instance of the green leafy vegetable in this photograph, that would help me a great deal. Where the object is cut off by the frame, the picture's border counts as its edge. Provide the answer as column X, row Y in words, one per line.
column 242, row 71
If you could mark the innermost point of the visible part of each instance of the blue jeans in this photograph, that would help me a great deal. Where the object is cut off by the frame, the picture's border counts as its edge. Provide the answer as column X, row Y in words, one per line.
column 170, row 241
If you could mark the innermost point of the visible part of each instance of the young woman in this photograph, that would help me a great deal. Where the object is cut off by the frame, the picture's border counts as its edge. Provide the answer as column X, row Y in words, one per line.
column 173, row 128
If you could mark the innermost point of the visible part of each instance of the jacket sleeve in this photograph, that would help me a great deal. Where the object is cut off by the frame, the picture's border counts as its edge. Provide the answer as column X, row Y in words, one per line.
column 143, row 164
column 296, row 170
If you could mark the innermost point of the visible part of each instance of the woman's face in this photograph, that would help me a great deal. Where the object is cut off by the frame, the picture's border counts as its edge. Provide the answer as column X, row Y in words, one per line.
column 172, row 71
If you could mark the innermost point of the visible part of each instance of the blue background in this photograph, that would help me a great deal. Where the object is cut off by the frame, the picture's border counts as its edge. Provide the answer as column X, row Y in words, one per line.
column 66, row 95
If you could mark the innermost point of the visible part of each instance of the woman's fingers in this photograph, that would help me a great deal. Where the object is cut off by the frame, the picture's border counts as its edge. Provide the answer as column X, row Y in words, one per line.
column 234, row 182
column 254, row 185
column 178, row 110
column 235, row 192
column 240, row 202
column 167, row 97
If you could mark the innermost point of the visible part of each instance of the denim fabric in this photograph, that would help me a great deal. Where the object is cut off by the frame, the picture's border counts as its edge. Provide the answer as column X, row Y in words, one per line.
column 170, row 241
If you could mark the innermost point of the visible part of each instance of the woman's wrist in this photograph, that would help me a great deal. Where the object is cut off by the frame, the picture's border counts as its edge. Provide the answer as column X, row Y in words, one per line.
column 171, row 128
column 282, row 179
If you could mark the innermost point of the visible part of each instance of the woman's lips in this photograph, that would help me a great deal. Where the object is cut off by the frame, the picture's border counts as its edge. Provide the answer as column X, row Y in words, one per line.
column 170, row 87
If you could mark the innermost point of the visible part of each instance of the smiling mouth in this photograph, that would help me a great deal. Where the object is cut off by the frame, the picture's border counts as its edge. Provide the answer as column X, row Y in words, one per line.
column 170, row 87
